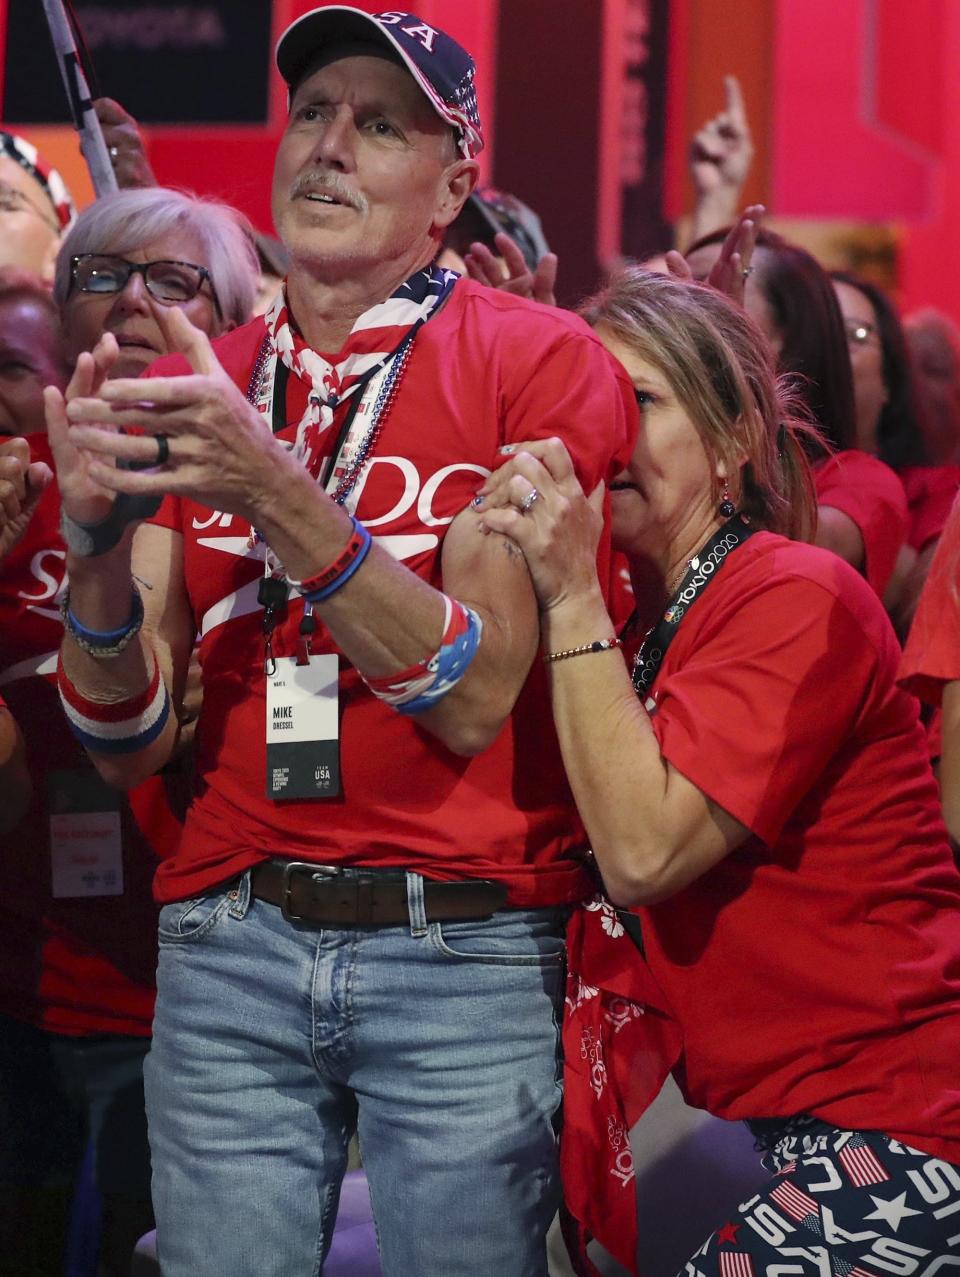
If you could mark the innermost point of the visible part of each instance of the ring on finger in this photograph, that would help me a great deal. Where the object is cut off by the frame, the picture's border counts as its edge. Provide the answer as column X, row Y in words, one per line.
column 747, row 272
column 113, row 152
column 163, row 450
column 529, row 501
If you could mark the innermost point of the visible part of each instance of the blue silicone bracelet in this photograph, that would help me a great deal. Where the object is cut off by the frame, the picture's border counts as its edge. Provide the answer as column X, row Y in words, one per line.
column 103, row 638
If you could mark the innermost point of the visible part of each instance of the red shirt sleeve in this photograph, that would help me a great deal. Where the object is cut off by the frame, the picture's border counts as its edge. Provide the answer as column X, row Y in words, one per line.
column 583, row 395
column 871, row 494
column 931, row 657
column 756, row 710
column 930, row 494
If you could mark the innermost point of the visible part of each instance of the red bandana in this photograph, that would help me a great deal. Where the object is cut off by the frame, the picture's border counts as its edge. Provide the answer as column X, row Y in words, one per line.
column 619, row 1041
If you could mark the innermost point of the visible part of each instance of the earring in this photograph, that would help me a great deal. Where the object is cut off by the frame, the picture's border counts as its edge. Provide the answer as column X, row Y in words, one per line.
column 727, row 508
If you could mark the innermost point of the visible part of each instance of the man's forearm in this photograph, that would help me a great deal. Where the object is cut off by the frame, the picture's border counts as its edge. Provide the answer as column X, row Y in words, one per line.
column 386, row 618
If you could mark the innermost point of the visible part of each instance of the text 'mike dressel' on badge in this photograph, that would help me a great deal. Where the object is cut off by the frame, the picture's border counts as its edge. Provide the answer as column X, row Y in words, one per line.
column 303, row 748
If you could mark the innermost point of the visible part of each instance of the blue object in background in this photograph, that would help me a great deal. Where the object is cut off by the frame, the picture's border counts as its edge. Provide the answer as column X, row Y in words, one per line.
column 83, row 1234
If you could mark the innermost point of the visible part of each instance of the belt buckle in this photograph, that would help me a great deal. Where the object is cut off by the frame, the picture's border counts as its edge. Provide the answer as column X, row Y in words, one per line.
column 292, row 866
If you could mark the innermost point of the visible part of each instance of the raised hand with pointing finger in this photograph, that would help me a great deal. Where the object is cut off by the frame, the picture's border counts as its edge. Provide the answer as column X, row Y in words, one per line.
column 721, row 153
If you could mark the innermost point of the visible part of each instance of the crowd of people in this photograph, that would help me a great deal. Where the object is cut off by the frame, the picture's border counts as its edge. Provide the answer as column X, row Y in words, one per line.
column 433, row 715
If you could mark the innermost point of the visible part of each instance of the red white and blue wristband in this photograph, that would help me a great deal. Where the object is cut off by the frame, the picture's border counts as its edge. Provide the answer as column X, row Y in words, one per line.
column 120, row 727
column 419, row 688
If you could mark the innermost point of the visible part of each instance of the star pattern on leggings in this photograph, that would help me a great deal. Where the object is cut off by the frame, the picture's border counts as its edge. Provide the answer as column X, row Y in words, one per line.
column 728, row 1233
column 892, row 1213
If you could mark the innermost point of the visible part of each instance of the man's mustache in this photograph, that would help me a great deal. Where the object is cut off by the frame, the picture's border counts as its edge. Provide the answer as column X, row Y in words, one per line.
column 316, row 180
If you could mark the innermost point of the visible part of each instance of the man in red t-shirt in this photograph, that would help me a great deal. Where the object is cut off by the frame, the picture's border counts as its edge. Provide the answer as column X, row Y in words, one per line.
column 364, row 924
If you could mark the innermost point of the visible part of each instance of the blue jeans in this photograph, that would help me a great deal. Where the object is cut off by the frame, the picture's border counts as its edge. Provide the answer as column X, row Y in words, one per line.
column 274, row 1040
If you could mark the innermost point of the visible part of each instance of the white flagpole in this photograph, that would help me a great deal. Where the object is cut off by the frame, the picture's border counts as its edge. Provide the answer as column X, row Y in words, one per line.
column 92, row 145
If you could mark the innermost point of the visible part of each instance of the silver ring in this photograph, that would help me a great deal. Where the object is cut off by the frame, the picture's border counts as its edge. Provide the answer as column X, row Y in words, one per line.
column 163, row 450
column 114, row 153
column 529, row 501
column 747, row 272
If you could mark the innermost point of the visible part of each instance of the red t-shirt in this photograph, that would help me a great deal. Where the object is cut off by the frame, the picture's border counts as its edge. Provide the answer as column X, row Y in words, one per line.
column 486, row 370
column 871, row 494
column 74, row 965
column 817, row 967
column 930, row 494
column 931, row 657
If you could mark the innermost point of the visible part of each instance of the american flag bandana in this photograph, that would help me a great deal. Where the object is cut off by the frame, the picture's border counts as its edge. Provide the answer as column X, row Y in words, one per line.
column 374, row 339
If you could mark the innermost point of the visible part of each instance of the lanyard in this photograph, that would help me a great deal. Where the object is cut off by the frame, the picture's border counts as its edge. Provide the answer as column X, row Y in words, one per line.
column 702, row 568
column 266, row 388
column 356, row 440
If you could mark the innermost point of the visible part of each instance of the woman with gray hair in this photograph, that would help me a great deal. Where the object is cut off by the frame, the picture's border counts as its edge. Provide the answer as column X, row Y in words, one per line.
column 139, row 247
column 77, row 919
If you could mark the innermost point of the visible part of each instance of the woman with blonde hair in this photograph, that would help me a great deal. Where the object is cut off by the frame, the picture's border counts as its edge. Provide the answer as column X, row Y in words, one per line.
column 757, row 795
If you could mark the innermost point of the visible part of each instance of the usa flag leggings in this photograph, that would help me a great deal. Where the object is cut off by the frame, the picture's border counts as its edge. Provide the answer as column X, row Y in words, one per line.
column 842, row 1204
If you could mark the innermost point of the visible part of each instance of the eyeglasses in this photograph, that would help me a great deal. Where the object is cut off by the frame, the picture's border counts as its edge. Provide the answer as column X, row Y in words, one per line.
column 14, row 201
column 170, row 282
column 858, row 334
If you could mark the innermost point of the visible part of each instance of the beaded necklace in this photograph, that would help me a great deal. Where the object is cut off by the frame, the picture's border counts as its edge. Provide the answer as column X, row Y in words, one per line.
column 375, row 390
column 353, row 451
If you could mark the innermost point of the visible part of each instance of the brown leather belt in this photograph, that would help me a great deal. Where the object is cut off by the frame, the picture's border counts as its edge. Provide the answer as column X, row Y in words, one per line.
column 327, row 896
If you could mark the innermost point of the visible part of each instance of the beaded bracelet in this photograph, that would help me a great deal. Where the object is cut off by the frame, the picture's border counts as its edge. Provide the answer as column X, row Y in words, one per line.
column 598, row 645
column 322, row 584
column 103, row 644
